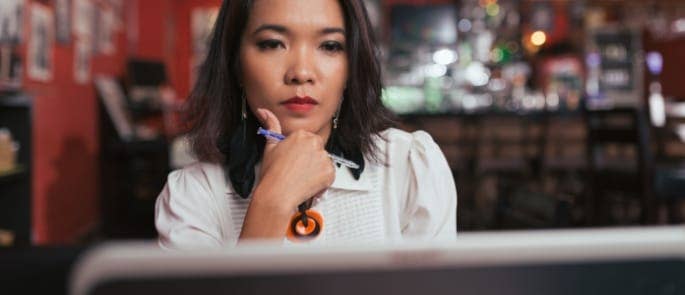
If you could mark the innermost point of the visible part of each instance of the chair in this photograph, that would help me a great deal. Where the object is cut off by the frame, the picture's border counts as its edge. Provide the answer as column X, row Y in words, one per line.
column 619, row 164
column 507, row 145
column 563, row 165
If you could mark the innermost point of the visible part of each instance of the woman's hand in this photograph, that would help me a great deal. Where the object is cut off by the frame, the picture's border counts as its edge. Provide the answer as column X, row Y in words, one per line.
column 292, row 171
column 296, row 168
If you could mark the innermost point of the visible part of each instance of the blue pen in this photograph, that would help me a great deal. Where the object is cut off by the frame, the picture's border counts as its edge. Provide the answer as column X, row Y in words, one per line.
column 279, row 137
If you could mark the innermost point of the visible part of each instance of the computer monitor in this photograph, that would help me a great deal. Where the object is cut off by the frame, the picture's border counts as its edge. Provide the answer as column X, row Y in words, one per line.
column 434, row 25
column 607, row 261
column 146, row 72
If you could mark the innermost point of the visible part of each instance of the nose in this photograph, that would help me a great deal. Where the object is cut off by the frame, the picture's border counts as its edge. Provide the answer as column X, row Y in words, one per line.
column 301, row 67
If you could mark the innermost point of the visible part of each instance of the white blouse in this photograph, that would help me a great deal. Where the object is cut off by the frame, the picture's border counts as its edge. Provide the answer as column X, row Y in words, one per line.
column 409, row 193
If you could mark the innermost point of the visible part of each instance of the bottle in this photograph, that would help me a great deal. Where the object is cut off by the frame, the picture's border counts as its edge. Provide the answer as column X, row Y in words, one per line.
column 657, row 106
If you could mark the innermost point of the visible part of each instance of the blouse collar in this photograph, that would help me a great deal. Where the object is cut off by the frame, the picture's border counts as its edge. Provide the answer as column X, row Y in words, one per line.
column 345, row 180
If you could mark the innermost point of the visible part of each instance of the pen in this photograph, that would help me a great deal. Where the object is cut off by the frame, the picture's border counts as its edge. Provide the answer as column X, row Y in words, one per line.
column 279, row 137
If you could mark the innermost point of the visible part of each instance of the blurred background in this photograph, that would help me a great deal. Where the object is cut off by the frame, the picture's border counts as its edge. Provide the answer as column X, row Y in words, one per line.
column 551, row 114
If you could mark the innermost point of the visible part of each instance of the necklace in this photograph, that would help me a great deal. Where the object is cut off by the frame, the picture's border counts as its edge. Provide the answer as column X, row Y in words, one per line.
column 306, row 224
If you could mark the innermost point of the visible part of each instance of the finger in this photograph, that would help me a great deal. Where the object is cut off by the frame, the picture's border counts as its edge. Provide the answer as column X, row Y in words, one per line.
column 270, row 122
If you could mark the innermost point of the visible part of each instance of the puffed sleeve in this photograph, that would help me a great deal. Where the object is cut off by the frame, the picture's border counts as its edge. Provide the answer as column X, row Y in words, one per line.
column 431, row 208
column 184, row 213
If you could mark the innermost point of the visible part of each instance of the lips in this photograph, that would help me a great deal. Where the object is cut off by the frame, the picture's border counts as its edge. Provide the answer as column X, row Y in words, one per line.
column 300, row 104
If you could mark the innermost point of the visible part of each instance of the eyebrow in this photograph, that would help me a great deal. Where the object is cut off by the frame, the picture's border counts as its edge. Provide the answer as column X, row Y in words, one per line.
column 283, row 30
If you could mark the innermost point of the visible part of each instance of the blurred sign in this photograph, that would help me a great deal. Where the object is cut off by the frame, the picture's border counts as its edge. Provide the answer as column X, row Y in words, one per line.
column 617, row 52
column 620, row 71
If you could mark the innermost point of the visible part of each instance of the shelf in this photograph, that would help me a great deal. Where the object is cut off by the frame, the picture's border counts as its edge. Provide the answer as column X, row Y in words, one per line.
column 9, row 99
column 14, row 174
column 487, row 113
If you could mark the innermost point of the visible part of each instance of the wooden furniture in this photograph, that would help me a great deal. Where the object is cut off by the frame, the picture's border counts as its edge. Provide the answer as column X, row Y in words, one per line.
column 15, row 185
column 619, row 162
column 497, row 158
column 132, row 173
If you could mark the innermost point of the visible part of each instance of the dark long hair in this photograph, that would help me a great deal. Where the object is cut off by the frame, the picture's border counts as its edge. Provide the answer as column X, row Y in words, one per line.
column 214, row 106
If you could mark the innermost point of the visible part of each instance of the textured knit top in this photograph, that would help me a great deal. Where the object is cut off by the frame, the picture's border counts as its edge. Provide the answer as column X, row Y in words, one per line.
column 408, row 193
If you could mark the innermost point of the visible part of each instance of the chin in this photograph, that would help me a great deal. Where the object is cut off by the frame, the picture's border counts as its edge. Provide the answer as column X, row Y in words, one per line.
column 294, row 126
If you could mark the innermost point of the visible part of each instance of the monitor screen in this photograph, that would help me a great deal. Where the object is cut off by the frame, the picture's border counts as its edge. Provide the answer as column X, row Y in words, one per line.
column 632, row 261
column 424, row 24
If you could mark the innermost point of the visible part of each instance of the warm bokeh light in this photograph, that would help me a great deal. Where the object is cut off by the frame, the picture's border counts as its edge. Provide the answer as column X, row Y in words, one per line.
column 538, row 38
column 485, row 3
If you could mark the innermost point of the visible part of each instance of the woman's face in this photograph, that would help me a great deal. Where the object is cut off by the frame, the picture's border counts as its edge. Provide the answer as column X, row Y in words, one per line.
column 294, row 62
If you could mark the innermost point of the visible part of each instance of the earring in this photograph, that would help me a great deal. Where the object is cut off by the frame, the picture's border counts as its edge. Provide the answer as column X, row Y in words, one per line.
column 337, row 114
column 243, row 107
column 335, row 119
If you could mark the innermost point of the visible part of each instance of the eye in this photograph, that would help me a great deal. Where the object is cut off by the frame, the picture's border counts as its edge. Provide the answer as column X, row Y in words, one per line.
column 270, row 44
column 332, row 46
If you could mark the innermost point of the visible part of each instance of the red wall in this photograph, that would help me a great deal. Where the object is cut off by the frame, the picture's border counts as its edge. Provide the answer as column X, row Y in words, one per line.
column 673, row 52
column 179, row 65
column 65, row 143
column 65, row 121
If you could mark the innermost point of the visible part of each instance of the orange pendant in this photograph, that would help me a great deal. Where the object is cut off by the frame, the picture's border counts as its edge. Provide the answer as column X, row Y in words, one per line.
column 299, row 232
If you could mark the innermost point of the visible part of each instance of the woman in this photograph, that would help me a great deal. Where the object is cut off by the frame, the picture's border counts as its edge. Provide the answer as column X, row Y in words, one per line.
column 309, row 70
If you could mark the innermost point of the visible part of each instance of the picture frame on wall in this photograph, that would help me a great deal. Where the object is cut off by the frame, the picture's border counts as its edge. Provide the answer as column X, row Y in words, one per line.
column 118, row 11
column 83, row 18
column 11, row 18
column 63, row 21
column 82, row 61
column 201, row 24
column 10, row 68
column 40, row 55
column 104, row 31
